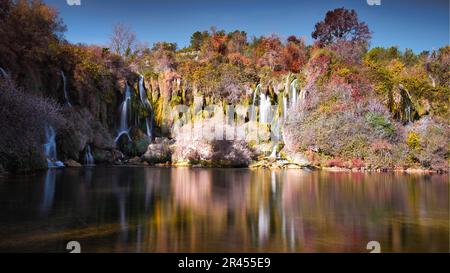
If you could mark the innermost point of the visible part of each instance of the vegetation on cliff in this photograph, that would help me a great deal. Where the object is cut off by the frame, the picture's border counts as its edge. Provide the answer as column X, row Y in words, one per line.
column 358, row 106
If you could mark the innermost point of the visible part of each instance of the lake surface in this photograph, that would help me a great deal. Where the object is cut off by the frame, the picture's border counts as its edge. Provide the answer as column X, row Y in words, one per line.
column 143, row 209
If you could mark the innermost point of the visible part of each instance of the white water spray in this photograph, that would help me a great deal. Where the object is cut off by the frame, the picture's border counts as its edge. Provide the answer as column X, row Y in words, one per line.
column 274, row 152
column 66, row 96
column 3, row 73
column 253, row 110
column 149, row 127
column 143, row 93
column 264, row 108
column 147, row 105
column 88, row 157
column 50, row 148
column 293, row 94
column 284, row 106
column 124, row 110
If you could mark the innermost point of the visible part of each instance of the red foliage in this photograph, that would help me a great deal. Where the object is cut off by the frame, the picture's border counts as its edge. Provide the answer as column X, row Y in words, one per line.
column 341, row 24
column 357, row 163
column 268, row 52
column 294, row 56
column 336, row 162
column 239, row 59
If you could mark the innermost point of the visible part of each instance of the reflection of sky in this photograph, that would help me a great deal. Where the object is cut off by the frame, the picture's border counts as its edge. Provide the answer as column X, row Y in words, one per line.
column 417, row 24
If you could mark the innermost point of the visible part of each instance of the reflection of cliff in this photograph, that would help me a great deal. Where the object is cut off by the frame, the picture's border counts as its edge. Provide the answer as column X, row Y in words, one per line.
column 291, row 211
column 227, row 210
column 191, row 190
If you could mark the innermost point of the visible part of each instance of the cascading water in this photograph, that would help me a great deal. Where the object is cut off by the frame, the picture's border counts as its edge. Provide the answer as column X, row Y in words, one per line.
column 88, row 157
column 50, row 148
column 293, row 94
column 143, row 93
column 149, row 126
column 285, row 103
column 66, row 96
column 264, row 107
column 253, row 110
column 274, row 152
column 124, row 109
column 148, row 107
column 3, row 73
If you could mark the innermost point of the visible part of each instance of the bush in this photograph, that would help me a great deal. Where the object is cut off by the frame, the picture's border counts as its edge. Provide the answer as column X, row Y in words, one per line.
column 380, row 124
column 428, row 143
column 335, row 126
column 23, row 118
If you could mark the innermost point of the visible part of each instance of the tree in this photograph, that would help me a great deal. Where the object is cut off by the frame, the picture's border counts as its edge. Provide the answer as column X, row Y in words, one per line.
column 163, row 56
column 198, row 38
column 27, row 28
column 123, row 40
column 341, row 24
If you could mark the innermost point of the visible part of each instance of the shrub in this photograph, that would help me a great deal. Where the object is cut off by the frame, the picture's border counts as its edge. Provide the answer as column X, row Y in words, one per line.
column 428, row 143
column 413, row 141
column 23, row 118
column 380, row 124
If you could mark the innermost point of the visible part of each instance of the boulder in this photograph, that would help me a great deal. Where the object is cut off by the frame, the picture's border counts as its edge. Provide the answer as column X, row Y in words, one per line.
column 107, row 156
column 209, row 151
column 137, row 161
column 72, row 163
column 297, row 159
column 159, row 151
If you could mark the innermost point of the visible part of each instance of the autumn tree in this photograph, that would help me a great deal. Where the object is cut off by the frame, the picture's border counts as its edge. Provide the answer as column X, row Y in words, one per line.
column 268, row 52
column 294, row 54
column 27, row 29
column 163, row 56
column 341, row 24
column 123, row 40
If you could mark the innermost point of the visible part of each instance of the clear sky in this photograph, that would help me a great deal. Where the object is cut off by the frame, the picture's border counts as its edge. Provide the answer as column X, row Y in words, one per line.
column 417, row 24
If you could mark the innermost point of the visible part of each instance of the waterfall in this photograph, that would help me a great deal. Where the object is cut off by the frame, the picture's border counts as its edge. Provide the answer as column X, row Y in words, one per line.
column 264, row 107
column 66, row 96
column 293, row 95
column 124, row 109
column 149, row 127
column 143, row 93
column 88, row 157
column 3, row 73
column 50, row 148
column 274, row 152
column 284, row 106
column 147, row 105
column 253, row 110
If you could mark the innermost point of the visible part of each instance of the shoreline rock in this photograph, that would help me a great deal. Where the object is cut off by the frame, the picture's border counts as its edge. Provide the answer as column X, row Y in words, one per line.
column 70, row 163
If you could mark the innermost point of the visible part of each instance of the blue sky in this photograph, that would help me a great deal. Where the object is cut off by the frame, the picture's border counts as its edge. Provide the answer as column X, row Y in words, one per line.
column 417, row 24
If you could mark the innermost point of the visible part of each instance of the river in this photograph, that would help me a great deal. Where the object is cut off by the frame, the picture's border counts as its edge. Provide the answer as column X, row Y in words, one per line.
column 145, row 209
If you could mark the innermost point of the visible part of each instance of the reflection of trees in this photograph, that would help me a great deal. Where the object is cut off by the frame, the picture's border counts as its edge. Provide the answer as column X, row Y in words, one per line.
column 189, row 209
column 291, row 210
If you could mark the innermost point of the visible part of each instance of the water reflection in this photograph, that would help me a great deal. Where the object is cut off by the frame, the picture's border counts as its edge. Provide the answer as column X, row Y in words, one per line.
column 49, row 191
column 223, row 210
